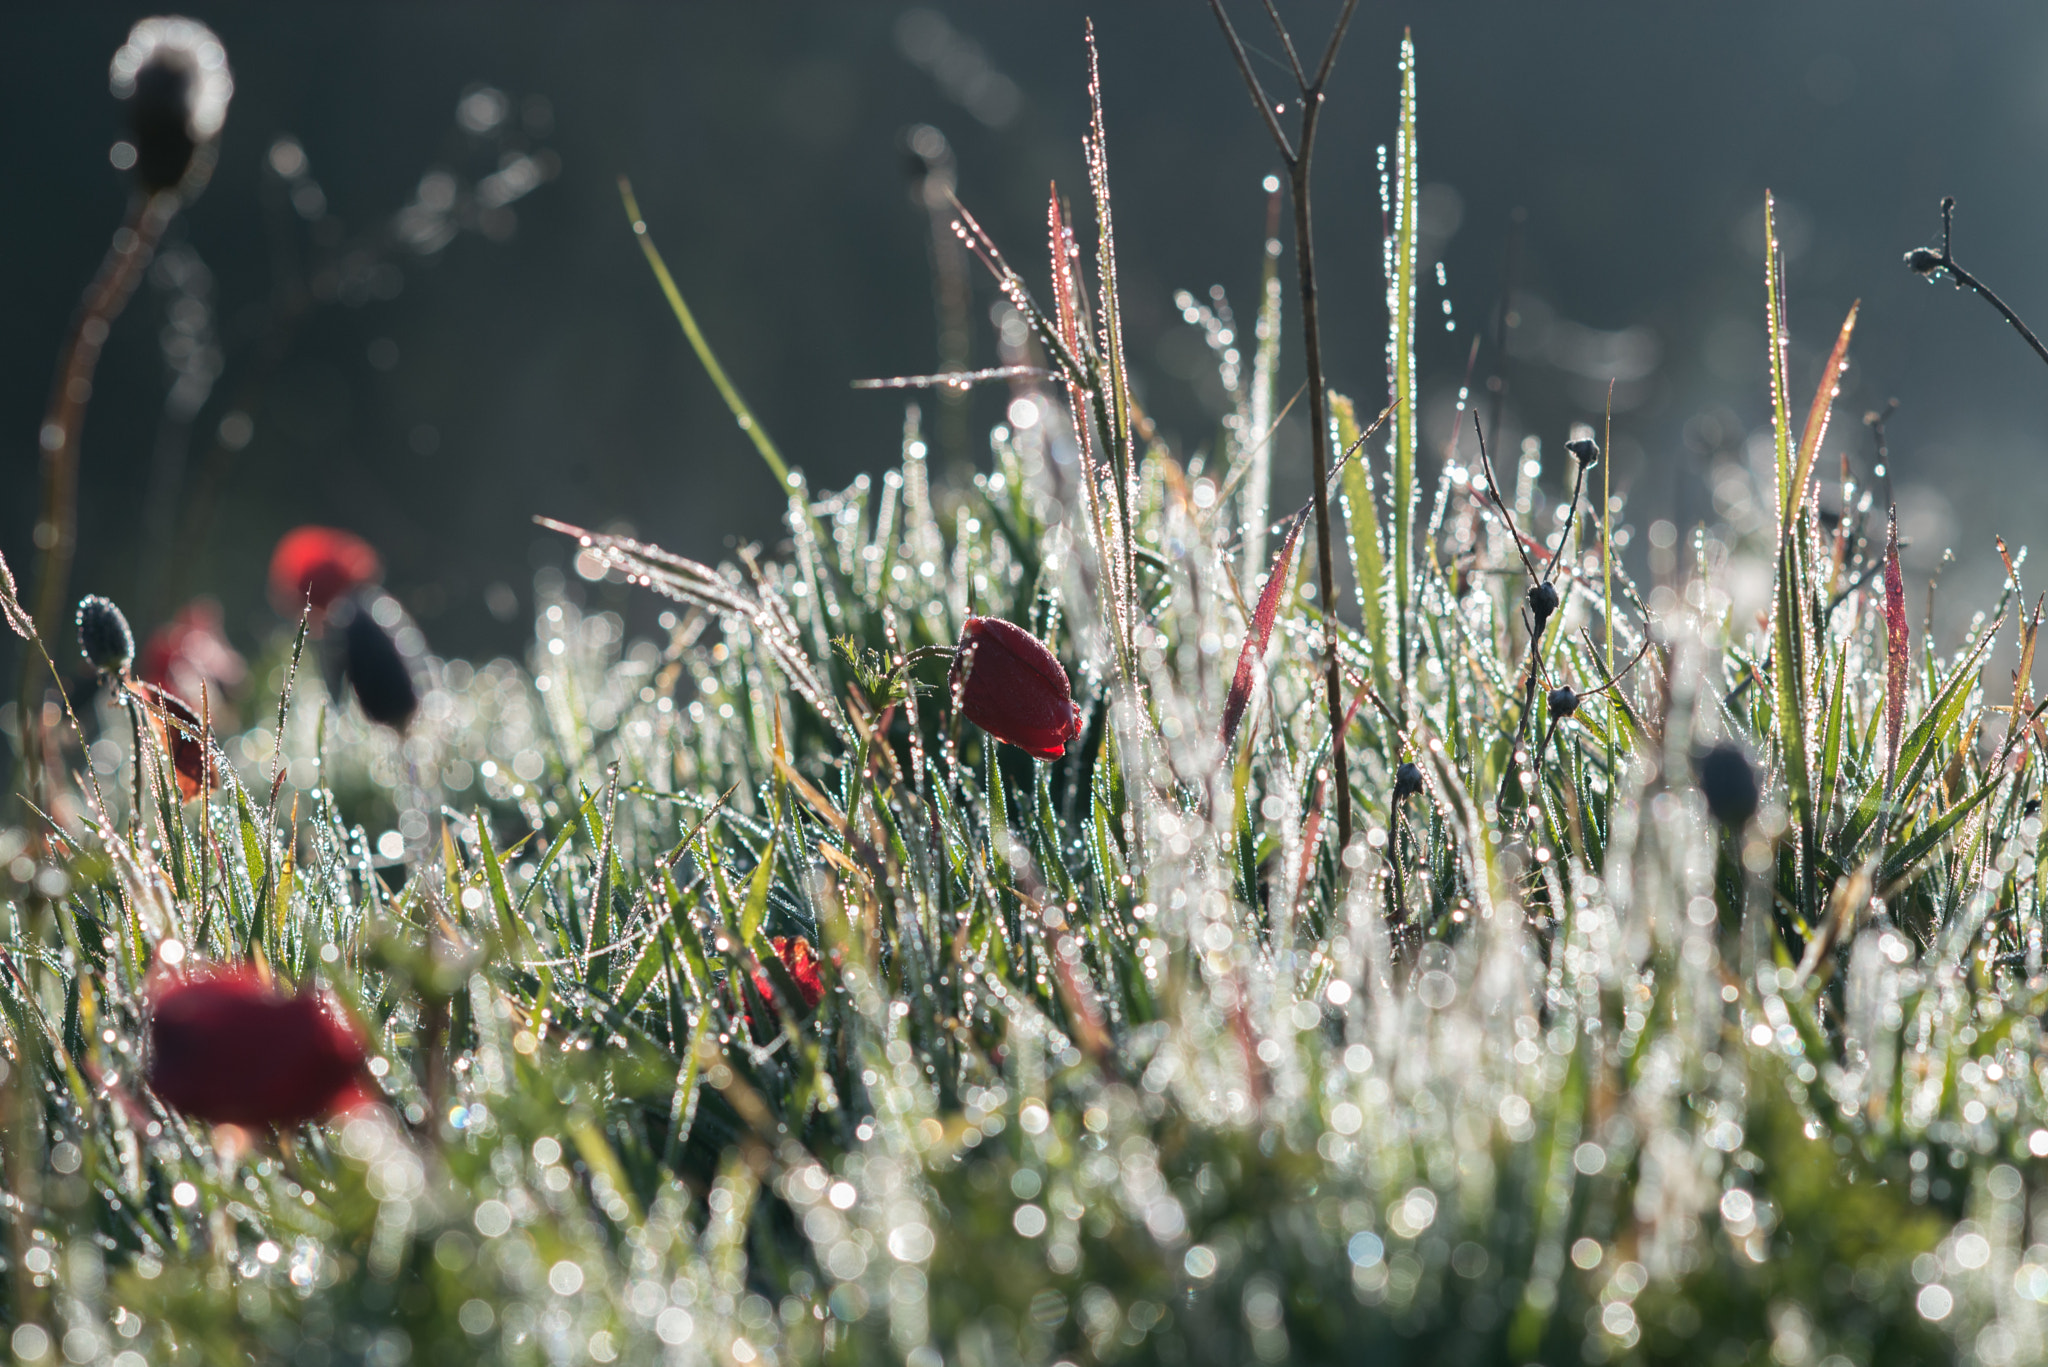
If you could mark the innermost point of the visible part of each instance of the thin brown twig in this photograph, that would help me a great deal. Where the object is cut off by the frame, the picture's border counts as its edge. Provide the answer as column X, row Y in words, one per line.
column 1297, row 157
column 1287, row 43
column 1927, row 263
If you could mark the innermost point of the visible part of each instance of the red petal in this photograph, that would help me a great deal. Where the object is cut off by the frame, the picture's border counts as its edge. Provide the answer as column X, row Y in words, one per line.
column 318, row 565
column 228, row 1048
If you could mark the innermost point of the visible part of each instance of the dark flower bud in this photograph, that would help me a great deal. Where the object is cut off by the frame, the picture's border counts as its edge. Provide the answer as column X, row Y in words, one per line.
column 103, row 635
column 173, row 75
column 1584, row 450
column 1563, row 702
column 1542, row 603
column 1407, row 782
column 1728, row 781
column 1006, row 682
column 379, row 653
column 1922, row 261
column 317, row 565
column 229, row 1048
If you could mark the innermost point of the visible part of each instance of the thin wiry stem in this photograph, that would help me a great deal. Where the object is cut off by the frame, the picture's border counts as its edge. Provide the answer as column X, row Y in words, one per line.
column 1244, row 67
column 56, row 531
column 1336, row 41
column 1287, row 43
column 1298, row 163
column 1486, row 464
column 1928, row 263
column 1578, row 486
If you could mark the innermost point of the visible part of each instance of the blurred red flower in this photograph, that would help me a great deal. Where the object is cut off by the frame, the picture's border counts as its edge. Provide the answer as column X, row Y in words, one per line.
column 190, row 656
column 1011, row 686
column 317, row 565
column 229, row 1048
column 802, row 962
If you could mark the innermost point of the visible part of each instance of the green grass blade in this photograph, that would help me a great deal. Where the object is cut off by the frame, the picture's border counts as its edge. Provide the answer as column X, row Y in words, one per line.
column 1937, row 725
column 1831, row 745
column 1368, row 556
column 1401, row 350
column 1900, row 859
column 742, row 414
column 755, row 912
column 1776, row 327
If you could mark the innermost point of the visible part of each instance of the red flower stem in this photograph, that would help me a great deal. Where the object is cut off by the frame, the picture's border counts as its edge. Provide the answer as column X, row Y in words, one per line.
column 56, row 531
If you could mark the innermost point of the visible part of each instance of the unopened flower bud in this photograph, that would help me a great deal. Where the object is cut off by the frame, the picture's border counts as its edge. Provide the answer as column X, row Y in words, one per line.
column 1407, row 782
column 103, row 635
column 1542, row 603
column 173, row 75
column 379, row 660
column 1922, row 261
column 1011, row 686
column 1728, row 782
column 1584, row 450
column 1563, row 702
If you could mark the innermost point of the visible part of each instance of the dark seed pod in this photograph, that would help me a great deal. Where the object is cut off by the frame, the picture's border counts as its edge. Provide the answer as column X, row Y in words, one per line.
column 1563, row 702
column 1407, row 782
column 377, row 660
column 1728, row 781
column 103, row 635
column 173, row 75
column 1921, row 261
column 1542, row 603
column 1584, row 450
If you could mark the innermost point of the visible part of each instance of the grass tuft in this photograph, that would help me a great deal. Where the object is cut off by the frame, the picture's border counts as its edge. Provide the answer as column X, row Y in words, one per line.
column 1124, row 1056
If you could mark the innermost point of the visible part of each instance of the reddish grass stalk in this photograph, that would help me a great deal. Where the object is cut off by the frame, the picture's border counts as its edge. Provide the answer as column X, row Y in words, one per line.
column 56, row 530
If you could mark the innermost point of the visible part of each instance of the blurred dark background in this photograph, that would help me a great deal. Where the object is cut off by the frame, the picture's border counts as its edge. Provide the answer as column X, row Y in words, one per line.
column 409, row 304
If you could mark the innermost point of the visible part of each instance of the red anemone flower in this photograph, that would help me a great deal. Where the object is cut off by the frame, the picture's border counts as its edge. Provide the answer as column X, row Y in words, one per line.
column 229, row 1048
column 1012, row 687
column 802, row 962
column 317, row 565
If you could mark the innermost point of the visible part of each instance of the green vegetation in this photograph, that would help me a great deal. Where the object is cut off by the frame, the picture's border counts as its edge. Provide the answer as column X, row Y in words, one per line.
column 1120, row 1057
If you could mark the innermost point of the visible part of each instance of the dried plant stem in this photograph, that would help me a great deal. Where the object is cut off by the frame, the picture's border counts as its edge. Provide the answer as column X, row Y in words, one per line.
column 1297, row 158
column 56, row 530
column 1927, row 263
